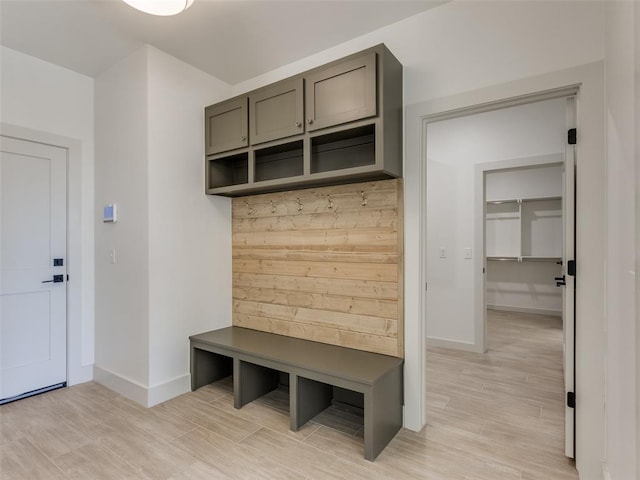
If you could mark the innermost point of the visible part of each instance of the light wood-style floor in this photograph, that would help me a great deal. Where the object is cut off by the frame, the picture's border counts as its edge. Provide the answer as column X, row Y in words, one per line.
column 494, row 416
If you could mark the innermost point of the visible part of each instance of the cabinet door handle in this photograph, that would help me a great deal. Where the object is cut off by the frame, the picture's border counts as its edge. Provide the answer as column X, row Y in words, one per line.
column 243, row 138
column 309, row 121
column 298, row 124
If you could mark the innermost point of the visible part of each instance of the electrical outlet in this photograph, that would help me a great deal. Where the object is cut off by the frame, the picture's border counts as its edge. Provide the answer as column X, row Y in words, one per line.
column 468, row 253
column 112, row 256
column 443, row 252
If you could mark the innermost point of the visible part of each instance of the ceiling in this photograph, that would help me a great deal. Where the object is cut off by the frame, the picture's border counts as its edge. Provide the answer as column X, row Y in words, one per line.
column 233, row 40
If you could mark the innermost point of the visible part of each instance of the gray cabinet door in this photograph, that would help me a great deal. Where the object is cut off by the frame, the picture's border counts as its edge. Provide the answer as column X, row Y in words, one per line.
column 226, row 126
column 341, row 93
column 276, row 111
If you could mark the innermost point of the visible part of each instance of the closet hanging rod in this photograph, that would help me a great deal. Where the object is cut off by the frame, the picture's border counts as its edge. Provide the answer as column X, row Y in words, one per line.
column 521, row 200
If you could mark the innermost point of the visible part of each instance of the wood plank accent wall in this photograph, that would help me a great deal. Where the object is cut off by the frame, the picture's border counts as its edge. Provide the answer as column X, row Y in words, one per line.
column 323, row 264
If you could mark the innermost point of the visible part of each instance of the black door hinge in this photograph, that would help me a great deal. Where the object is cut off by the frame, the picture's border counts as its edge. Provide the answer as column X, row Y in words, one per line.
column 67, row 278
column 571, row 268
column 572, row 136
column 571, row 399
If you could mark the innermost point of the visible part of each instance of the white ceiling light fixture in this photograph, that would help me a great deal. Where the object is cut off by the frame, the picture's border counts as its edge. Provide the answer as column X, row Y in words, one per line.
column 160, row 7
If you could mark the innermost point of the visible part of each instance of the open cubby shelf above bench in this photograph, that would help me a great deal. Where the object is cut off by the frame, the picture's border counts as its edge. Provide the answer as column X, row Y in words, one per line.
column 338, row 123
column 256, row 360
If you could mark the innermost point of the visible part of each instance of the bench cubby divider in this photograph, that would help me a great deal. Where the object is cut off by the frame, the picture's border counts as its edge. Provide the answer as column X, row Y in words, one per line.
column 311, row 398
column 251, row 382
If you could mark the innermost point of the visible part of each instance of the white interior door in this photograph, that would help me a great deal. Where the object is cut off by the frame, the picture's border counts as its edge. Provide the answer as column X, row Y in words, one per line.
column 33, row 293
column 568, row 308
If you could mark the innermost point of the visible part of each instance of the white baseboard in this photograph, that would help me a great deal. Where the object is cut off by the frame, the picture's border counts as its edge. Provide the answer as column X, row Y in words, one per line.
column 124, row 386
column 536, row 311
column 167, row 390
column 445, row 343
column 141, row 394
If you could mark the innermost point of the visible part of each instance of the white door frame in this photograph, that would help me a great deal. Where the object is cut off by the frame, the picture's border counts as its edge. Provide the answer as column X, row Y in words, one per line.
column 80, row 294
column 590, row 228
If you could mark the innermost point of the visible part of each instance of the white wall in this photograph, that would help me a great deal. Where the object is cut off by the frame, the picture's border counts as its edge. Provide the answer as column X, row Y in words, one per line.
column 622, row 128
column 122, row 288
column 454, row 147
column 189, row 232
column 539, row 182
column 524, row 287
column 172, row 276
column 47, row 103
column 462, row 45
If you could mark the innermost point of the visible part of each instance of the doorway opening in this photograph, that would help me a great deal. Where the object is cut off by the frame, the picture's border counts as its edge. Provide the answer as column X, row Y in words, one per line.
column 497, row 231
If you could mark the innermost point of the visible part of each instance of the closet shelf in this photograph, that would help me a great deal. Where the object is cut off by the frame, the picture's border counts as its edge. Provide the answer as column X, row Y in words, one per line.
column 528, row 229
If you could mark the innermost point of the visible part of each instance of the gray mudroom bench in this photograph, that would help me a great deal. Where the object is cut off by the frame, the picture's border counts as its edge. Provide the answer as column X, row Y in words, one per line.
column 256, row 359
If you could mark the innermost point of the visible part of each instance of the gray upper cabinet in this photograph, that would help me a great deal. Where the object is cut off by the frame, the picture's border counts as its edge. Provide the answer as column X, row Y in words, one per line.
column 337, row 123
column 276, row 111
column 341, row 93
column 226, row 126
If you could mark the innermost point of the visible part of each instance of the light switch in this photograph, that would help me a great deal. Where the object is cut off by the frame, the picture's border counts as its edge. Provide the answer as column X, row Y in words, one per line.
column 443, row 252
column 468, row 253
column 112, row 256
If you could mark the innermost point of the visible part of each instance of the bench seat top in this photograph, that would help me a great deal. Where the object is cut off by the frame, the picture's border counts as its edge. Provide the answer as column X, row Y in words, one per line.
column 353, row 365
